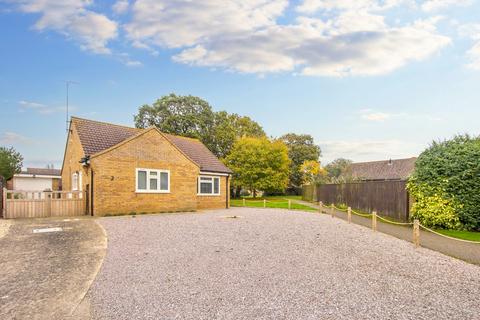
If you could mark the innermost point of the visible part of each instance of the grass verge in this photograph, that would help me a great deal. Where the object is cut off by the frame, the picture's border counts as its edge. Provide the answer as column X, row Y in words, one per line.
column 278, row 203
column 465, row 235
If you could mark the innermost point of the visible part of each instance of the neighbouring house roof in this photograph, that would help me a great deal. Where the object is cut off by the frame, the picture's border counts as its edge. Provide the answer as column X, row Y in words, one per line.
column 42, row 172
column 399, row 169
column 98, row 136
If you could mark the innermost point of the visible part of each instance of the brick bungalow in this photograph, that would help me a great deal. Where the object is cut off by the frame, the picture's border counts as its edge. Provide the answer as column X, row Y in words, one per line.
column 126, row 170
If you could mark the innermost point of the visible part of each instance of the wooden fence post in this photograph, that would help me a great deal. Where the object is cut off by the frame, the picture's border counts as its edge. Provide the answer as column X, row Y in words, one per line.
column 320, row 206
column 349, row 215
column 48, row 197
column 416, row 233
column 244, row 202
column 289, row 204
column 4, row 203
column 374, row 221
column 264, row 203
column 332, row 211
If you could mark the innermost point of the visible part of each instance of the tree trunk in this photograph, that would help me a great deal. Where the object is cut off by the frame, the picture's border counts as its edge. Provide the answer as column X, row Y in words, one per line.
column 238, row 192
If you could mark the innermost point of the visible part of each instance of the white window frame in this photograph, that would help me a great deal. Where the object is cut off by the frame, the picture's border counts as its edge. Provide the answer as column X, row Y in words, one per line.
column 148, row 171
column 212, row 183
column 75, row 180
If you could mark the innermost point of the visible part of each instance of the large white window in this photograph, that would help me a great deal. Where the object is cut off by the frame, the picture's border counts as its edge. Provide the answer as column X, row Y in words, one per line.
column 152, row 181
column 208, row 186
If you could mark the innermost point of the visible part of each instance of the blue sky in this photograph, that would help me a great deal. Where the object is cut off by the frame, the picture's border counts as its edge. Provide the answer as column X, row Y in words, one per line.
column 368, row 79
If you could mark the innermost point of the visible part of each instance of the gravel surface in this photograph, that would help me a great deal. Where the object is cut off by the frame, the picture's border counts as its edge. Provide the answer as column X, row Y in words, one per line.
column 273, row 264
column 4, row 226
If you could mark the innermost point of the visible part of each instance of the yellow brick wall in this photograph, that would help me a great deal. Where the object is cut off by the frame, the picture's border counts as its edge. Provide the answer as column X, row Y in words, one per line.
column 216, row 202
column 71, row 162
column 115, row 177
column 56, row 184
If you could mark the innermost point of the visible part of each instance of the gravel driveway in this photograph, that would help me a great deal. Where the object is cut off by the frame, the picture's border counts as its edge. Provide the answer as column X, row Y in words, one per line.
column 273, row 264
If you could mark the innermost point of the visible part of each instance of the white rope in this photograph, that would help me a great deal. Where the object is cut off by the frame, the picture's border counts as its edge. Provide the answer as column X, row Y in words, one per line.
column 394, row 222
column 343, row 210
column 448, row 237
column 362, row 214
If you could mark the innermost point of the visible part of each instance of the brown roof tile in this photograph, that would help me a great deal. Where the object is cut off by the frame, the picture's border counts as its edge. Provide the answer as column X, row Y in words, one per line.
column 398, row 169
column 199, row 153
column 98, row 136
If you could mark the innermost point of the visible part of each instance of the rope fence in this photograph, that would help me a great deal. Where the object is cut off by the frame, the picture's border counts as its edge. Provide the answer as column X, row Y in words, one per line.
column 416, row 226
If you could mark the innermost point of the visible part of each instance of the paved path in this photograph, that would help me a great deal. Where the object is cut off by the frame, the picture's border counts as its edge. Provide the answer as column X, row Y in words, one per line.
column 469, row 252
column 45, row 275
column 273, row 264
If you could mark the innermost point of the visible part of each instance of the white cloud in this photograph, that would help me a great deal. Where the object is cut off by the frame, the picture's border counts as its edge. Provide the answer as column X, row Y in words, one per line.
column 474, row 56
column 312, row 6
column 91, row 30
column 127, row 60
column 376, row 116
column 120, row 7
column 176, row 24
column 31, row 104
column 472, row 31
column 369, row 150
column 12, row 138
column 41, row 108
column 434, row 5
column 246, row 37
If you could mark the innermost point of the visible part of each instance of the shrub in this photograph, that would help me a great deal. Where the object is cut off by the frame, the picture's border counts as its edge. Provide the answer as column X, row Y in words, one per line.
column 432, row 207
column 446, row 184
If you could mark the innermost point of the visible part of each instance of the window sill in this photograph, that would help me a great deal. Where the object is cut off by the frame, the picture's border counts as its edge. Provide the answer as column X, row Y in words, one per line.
column 146, row 191
column 208, row 194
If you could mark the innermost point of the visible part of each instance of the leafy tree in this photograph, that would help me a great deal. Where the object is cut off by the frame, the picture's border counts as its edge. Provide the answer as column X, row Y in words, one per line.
column 10, row 162
column 313, row 172
column 187, row 116
column 228, row 128
column 193, row 117
column 259, row 164
column 301, row 147
column 339, row 170
column 446, row 184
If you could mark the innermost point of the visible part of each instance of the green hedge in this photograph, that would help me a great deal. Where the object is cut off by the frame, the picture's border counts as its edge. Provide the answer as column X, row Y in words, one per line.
column 446, row 184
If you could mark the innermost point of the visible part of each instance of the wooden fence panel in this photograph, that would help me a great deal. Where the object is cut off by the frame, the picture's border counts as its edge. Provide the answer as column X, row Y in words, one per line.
column 309, row 192
column 2, row 186
column 388, row 198
column 36, row 204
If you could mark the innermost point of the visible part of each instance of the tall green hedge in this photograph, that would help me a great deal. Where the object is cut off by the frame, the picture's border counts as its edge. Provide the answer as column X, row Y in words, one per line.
column 446, row 184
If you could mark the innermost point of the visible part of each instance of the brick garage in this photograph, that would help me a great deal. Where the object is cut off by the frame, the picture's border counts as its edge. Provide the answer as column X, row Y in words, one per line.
column 126, row 170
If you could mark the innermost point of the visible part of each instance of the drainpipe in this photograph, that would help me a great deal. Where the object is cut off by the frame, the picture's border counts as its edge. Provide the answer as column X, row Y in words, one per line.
column 91, row 193
column 227, row 192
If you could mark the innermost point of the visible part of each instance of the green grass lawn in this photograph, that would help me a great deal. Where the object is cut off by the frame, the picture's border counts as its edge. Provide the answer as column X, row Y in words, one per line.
column 272, row 202
column 275, row 198
column 465, row 235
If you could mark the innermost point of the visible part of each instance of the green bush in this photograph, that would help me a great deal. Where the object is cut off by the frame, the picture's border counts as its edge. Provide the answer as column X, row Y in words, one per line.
column 446, row 184
column 432, row 207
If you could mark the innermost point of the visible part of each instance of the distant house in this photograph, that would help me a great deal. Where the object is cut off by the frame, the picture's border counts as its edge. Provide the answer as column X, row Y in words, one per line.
column 36, row 179
column 399, row 169
column 125, row 170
